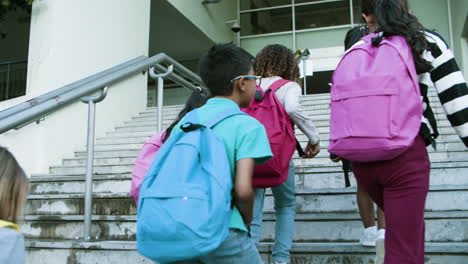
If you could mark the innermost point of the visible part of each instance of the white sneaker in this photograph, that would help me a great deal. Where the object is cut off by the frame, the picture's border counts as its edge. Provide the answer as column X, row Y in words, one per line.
column 380, row 247
column 369, row 236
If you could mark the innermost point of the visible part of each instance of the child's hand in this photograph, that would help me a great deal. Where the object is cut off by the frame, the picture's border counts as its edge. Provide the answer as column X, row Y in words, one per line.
column 312, row 150
column 336, row 159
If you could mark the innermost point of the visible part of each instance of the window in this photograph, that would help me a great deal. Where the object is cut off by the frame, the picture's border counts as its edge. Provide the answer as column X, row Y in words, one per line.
column 274, row 16
column 254, row 4
column 12, row 79
column 319, row 83
column 268, row 21
column 322, row 15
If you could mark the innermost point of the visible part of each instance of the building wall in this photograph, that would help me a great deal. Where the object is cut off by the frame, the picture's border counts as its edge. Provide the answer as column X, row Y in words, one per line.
column 433, row 14
column 66, row 46
column 460, row 29
column 210, row 18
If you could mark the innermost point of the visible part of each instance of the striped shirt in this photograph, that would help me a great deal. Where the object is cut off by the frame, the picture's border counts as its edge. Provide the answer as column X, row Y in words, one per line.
column 451, row 88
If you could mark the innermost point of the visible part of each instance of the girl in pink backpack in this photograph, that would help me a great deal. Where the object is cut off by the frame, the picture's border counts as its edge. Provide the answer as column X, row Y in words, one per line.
column 14, row 188
column 274, row 63
column 152, row 145
column 400, row 185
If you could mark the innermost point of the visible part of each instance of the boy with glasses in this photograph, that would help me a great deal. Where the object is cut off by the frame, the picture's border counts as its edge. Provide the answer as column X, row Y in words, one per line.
column 227, row 72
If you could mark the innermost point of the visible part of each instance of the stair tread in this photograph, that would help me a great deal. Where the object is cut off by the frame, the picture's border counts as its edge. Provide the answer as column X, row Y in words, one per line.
column 268, row 216
column 304, row 247
column 299, row 191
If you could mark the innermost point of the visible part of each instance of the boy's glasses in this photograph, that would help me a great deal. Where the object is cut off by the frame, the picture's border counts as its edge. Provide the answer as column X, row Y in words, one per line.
column 258, row 79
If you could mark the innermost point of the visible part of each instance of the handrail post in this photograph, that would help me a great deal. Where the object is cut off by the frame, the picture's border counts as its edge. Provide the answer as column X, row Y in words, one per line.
column 160, row 78
column 160, row 102
column 304, row 68
column 91, row 101
column 7, row 82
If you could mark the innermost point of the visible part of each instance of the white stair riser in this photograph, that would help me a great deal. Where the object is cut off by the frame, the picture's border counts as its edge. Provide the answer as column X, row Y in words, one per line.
column 437, row 230
column 75, row 256
column 301, row 137
column 316, row 203
column 66, row 187
column 305, row 203
column 456, row 144
column 446, row 176
column 60, row 256
column 153, row 126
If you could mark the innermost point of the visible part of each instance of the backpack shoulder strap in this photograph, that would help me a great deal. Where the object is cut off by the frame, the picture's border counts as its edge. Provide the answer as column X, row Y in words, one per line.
column 223, row 115
column 278, row 84
column 191, row 117
column 9, row 224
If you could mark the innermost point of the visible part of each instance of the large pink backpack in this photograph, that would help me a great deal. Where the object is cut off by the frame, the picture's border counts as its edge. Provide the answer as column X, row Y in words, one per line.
column 143, row 162
column 376, row 105
column 268, row 110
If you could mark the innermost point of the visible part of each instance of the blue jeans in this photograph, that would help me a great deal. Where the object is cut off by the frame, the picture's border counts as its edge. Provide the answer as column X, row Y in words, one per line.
column 285, row 208
column 237, row 248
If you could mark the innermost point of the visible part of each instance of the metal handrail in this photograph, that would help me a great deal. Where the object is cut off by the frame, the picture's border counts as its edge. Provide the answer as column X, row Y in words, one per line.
column 50, row 102
column 58, row 92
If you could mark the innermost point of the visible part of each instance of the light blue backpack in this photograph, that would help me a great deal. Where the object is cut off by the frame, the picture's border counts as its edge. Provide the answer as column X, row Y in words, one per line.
column 185, row 199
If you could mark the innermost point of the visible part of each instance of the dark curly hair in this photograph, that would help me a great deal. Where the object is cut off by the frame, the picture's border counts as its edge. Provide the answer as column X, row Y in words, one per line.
column 393, row 18
column 276, row 60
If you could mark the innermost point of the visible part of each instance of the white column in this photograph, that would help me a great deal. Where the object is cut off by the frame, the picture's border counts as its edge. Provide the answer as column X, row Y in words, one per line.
column 71, row 40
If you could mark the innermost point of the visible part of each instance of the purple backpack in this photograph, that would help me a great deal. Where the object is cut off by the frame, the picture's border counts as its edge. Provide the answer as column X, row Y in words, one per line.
column 143, row 162
column 376, row 105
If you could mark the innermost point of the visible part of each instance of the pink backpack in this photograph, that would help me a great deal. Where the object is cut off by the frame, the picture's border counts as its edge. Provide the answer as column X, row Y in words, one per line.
column 143, row 162
column 268, row 110
column 376, row 105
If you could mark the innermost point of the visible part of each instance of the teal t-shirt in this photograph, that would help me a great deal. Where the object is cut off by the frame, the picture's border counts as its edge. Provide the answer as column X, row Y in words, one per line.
column 243, row 137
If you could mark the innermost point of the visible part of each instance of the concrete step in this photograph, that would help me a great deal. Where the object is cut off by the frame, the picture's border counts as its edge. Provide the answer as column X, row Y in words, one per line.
column 73, row 204
column 454, row 144
column 170, row 116
column 124, row 252
column 322, row 130
column 308, row 177
column 69, row 184
column 153, row 126
column 311, row 109
column 454, row 148
column 315, row 117
column 69, row 227
column 334, row 200
column 440, row 227
column 318, row 99
column 310, row 163
column 41, row 251
column 99, row 161
column 354, row 253
column 440, row 198
column 336, row 227
column 321, row 158
column 130, row 139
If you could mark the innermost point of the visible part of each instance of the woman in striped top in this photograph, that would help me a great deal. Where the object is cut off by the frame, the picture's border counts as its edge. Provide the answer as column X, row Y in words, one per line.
column 400, row 186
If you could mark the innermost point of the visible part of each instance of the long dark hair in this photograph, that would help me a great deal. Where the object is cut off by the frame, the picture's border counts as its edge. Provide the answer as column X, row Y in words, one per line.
column 197, row 99
column 393, row 18
column 276, row 60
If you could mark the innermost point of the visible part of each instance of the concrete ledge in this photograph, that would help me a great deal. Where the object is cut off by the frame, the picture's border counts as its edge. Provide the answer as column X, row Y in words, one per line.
column 266, row 217
column 312, row 248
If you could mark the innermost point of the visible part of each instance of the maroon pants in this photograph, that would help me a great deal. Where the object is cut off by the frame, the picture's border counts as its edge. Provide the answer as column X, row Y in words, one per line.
column 399, row 187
